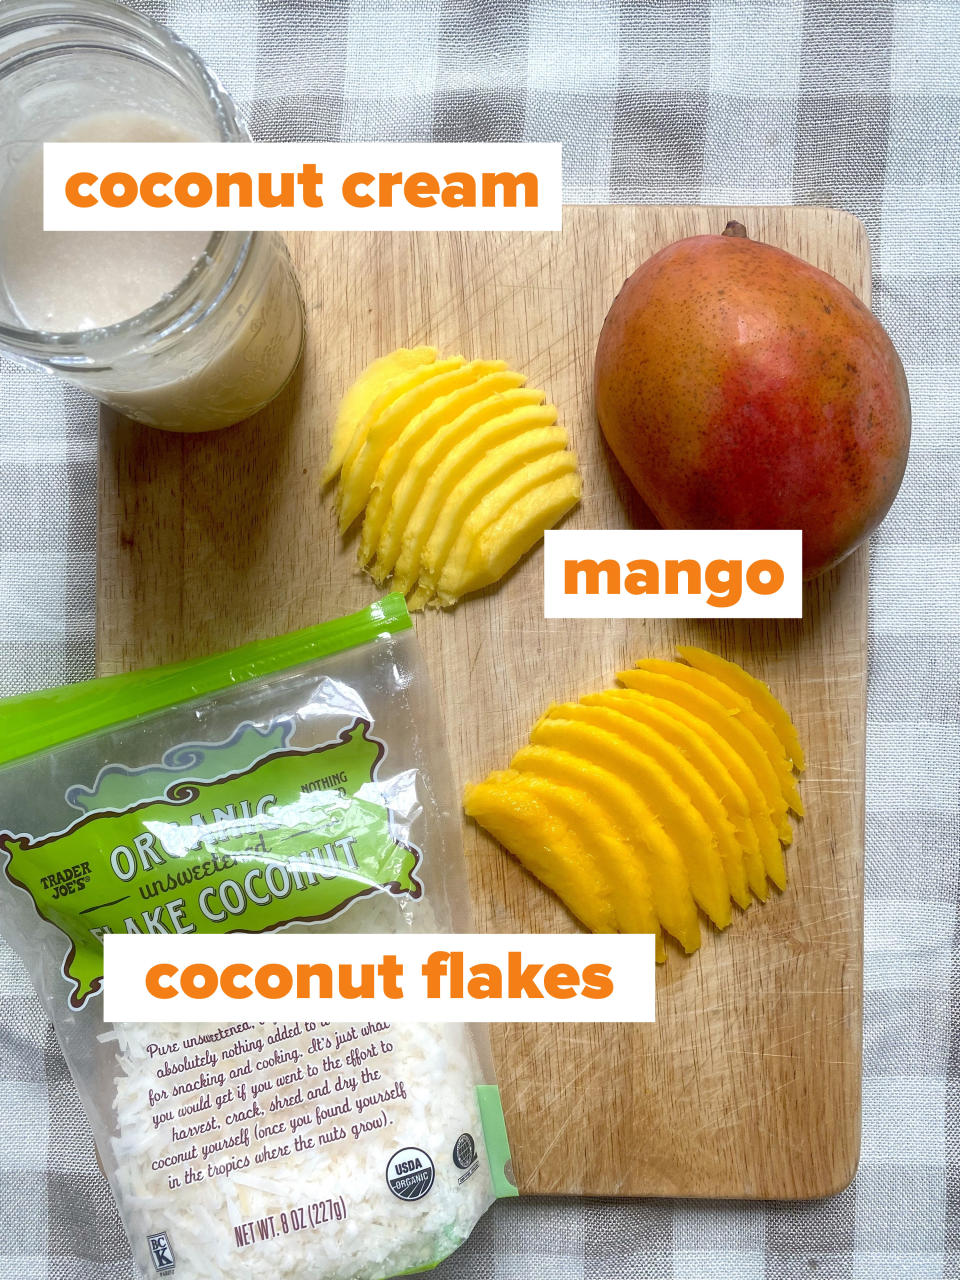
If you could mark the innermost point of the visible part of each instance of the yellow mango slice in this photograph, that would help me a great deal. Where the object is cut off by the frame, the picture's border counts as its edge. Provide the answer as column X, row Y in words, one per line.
column 507, row 459
column 741, row 709
column 631, row 894
column 618, row 746
column 437, row 471
column 520, row 525
column 660, row 857
column 453, row 491
column 643, row 729
column 587, row 824
column 383, row 427
column 391, row 393
column 361, row 395
column 525, row 826
column 742, row 756
column 674, row 686
column 459, row 525
column 759, row 694
column 445, row 485
column 413, row 446
column 420, row 430
column 665, row 789
column 419, row 598
column 503, row 462
column 707, row 751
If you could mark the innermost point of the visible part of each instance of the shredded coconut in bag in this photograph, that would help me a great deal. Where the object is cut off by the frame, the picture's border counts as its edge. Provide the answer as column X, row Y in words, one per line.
column 298, row 784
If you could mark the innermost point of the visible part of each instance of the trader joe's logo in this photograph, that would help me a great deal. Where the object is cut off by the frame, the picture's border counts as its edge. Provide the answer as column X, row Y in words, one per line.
column 294, row 836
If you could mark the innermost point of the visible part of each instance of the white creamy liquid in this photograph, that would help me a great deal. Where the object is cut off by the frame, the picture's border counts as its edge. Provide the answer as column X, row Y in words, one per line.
column 226, row 367
column 64, row 281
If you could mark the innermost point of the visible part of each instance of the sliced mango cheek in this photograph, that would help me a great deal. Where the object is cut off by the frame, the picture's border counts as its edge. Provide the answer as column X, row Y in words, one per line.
column 358, row 399
column 697, row 772
column 705, row 823
column 759, row 694
column 420, row 431
column 719, row 719
column 504, row 543
column 629, row 886
column 441, row 462
column 588, row 734
column 524, row 825
column 493, row 499
column 443, row 486
column 502, row 461
column 759, row 864
column 392, row 445
column 356, row 482
column 740, row 707
column 386, row 399
column 659, row 801
column 657, row 854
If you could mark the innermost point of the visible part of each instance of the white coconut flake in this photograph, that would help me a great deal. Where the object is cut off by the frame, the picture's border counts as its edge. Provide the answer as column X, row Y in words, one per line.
column 319, row 1205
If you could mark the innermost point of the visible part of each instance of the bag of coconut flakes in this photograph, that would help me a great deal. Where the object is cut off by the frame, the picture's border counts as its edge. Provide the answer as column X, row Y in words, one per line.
column 299, row 783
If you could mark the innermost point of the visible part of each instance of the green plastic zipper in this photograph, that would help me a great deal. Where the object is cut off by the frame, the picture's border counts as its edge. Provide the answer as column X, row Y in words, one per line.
column 33, row 722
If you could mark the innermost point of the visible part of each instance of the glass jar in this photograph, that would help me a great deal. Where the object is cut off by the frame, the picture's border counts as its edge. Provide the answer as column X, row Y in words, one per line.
column 223, row 340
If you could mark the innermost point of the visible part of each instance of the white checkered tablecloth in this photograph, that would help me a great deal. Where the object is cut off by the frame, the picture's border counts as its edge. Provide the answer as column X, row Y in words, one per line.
column 851, row 105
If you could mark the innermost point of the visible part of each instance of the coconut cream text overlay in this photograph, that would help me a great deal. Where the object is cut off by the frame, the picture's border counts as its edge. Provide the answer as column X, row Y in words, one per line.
column 291, row 186
column 457, row 977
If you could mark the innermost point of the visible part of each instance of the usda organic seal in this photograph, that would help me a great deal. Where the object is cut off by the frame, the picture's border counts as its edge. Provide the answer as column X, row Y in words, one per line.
column 410, row 1173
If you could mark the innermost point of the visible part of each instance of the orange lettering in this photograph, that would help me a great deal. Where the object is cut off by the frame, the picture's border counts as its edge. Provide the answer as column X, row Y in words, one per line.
column 305, row 972
column 311, row 181
column 277, row 990
column 521, row 978
column 643, row 578
column 282, row 201
column 229, row 984
column 597, row 983
column 73, row 193
column 509, row 184
column 198, row 981
column 671, row 577
column 591, row 571
column 148, row 190
column 459, row 191
column 244, row 185
column 351, row 192
column 765, row 588
column 387, row 183
column 421, row 190
column 188, row 198
column 725, row 580
column 560, row 981
column 485, row 982
column 127, row 194
column 152, row 981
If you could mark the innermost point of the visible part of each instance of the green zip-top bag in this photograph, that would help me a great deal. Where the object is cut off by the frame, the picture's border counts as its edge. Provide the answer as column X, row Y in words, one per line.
column 298, row 784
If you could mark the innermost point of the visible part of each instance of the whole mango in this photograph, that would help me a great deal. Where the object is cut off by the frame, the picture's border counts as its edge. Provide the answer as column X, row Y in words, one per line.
column 740, row 387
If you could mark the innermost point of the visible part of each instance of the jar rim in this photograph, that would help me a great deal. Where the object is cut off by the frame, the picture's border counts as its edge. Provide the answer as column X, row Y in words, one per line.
column 176, row 311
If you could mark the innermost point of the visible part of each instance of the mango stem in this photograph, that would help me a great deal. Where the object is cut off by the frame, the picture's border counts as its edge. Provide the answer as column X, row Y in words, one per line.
column 735, row 229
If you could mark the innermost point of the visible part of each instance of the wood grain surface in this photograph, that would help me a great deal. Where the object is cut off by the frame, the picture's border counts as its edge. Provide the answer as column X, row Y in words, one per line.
column 749, row 1082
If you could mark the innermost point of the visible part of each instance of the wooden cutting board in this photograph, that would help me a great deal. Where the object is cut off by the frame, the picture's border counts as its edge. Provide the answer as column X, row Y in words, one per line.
column 749, row 1082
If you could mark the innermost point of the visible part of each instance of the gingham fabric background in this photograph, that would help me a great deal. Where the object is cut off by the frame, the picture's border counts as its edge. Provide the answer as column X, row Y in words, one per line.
column 852, row 105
